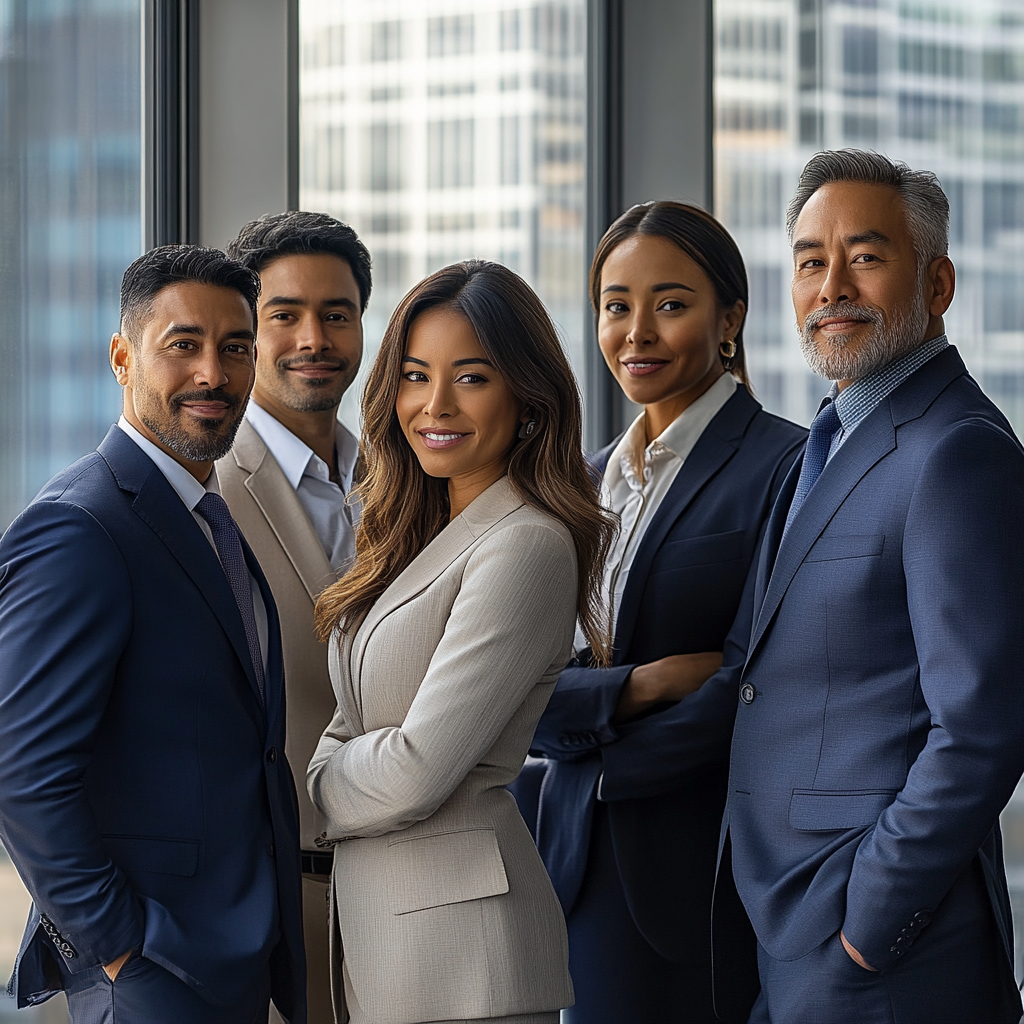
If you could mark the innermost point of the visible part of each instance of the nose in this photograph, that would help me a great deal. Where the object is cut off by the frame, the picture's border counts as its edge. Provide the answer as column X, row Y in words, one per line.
column 210, row 371
column 642, row 330
column 440, row 401
column 838, row 285
column 311, row 336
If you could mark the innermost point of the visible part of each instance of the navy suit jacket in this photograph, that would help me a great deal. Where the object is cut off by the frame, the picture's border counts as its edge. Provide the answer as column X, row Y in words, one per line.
column 666, row 793
column 881, row 724
column 144, row 793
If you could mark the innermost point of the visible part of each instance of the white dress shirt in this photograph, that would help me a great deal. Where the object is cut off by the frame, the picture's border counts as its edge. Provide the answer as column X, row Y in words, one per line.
column 635, row 499
column 330, row 512
column 191, row 492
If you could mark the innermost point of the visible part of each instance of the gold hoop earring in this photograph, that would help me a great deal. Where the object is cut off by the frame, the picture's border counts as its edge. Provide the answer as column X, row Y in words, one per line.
column 727, row 350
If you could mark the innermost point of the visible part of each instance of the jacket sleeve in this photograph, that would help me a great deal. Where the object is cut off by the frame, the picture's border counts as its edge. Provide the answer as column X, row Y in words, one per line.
column 963, row 559
column 511, row 621
column 578, row 718
column 65, row 618
column 655, row 754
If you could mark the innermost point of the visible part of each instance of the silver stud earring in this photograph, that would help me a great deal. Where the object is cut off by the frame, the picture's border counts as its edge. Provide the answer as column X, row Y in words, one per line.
column 527, row 429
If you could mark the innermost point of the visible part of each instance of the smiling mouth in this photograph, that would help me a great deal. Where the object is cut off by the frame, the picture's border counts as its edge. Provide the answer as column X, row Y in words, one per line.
column 435, row 439
column 641, row 369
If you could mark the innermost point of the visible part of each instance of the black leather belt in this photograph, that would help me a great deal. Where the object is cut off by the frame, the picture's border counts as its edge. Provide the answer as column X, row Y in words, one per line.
column 317, row 863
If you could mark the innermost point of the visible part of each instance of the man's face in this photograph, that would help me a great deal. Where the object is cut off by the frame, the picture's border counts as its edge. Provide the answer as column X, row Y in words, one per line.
column 188, row 370
column 859, row 297
column 311, row 333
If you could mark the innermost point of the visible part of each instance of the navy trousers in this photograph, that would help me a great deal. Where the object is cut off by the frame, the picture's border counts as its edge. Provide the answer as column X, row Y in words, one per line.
column 955, row 973
column 145, row 993
column 618, row 976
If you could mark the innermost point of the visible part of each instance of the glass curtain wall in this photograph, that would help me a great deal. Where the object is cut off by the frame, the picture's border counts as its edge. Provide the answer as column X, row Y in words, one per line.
column 937, row 83
column 443, row 131
column 70, row 221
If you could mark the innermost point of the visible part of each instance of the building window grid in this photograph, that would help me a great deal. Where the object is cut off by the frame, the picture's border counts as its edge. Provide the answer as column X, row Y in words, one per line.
column 477, row 182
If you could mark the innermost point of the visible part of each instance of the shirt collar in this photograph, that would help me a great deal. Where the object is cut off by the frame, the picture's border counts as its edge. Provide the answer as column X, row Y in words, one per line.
column 186, row 486
column 855, row 401
column 294, row 456
column 676, row 440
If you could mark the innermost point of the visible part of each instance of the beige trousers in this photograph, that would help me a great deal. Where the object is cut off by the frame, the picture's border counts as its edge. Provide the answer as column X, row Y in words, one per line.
column 318, row 967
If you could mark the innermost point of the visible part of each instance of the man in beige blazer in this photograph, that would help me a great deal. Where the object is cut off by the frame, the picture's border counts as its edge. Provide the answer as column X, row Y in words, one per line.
column 287, row 481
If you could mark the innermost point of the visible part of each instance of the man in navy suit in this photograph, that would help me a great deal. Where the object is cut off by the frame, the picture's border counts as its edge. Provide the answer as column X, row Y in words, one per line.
column 880, row 728
column 144, row 793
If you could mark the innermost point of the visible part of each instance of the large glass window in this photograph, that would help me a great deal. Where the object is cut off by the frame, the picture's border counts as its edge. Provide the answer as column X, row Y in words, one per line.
column 937, row 83
column 442, row 131
column 70, row 221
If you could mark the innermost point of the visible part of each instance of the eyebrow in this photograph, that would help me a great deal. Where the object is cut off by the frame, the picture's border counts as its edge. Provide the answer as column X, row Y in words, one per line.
column 664, row 287
column 803, row 244
column 176, row 328
column 200, row 332
column 288, row 300
column 458, row 362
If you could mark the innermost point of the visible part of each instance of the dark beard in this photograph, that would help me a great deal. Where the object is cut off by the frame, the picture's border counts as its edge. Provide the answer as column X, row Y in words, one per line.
column 204, row 448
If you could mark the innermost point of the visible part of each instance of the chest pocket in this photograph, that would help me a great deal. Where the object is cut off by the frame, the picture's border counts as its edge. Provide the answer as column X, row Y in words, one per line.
column 708, row 550
column 832, row 548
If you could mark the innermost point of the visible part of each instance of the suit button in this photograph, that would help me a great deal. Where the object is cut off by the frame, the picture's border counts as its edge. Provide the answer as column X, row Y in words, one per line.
column 272, row 755
column 747, row 693
column 922, row 918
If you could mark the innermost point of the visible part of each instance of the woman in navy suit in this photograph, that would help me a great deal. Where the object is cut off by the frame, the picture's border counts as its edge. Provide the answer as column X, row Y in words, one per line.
column 630, row 841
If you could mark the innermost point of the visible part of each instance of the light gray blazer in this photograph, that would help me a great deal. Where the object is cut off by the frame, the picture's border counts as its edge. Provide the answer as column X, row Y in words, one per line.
column 441, row 903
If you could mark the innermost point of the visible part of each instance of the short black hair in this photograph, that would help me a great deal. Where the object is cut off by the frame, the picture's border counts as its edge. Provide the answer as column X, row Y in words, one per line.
column 274, row 235
column 170, row 264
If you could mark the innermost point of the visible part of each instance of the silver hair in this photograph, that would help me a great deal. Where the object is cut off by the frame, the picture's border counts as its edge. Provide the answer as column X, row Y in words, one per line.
column 925, row 203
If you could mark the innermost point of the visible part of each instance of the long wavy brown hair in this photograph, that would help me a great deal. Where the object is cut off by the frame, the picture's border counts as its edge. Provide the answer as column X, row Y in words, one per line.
column 403, row 508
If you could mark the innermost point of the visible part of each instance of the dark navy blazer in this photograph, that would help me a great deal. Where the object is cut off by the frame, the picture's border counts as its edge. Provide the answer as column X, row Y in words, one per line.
column 144, row 793
column 881, row 726
column 681, row 597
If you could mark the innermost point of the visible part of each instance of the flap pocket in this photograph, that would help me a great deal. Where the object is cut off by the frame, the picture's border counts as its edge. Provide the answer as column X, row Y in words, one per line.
column 147, row 853
column 450, row 867
column 819, row 810
column 715, row 547
column 827, row 549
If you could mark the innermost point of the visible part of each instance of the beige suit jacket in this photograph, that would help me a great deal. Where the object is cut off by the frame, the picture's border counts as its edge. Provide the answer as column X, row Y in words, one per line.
column 442, row 905
column 269, row 514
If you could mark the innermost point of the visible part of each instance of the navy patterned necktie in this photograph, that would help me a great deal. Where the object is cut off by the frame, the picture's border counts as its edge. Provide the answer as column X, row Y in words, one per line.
column 819, row 440
column 214, row 509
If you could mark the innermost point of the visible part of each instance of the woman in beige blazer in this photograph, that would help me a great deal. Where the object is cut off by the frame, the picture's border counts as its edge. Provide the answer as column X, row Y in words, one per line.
column 478, row 548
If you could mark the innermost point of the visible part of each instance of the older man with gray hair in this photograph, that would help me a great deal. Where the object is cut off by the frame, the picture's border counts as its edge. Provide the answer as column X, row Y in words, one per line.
column 880, row 728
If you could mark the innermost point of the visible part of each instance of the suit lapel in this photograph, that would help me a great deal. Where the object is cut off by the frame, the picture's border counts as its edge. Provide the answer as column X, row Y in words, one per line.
column 716, row 445
column 157, row 505
column 773, row 531
column 283, row 511
column 871, row 441
column 498, row 501
column 274, row 654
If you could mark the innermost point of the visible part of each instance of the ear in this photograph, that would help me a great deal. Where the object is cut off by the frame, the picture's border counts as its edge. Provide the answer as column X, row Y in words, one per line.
column 121, row 358
column 941, row 284
column 732, row 321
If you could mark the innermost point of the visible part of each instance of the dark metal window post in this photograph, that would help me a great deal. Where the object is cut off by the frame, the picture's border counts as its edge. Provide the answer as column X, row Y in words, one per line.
column 171, row 122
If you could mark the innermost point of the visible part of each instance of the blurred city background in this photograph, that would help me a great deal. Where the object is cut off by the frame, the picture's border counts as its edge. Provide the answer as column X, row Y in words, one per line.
column 446, row 130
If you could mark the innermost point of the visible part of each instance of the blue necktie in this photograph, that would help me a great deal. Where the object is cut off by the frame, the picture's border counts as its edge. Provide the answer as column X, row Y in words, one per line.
column 214, row 509
column 819, row 440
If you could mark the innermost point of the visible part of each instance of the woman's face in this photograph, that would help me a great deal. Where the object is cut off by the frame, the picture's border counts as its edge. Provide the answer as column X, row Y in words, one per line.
column 455, row 408
column 660, row 324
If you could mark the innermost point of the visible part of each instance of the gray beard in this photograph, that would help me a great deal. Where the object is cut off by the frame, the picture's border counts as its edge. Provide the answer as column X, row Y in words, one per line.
column 894, row 335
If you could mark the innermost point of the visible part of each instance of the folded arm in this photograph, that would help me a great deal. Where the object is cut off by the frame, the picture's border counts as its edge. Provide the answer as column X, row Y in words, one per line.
column 963, row 558
column 65, row 618
column 512, row 620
